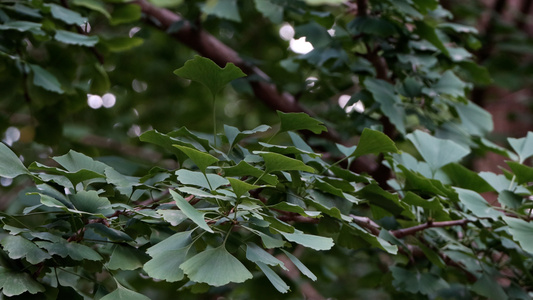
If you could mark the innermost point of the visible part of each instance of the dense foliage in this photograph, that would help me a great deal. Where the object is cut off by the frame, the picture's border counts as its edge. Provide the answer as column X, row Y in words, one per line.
column 359, row 187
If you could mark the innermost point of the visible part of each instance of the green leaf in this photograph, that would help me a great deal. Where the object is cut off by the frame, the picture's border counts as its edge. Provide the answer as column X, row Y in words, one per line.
column 19, row 247
column 73, row 177
column 10, row 164
column 269, row 242
column 73, row 250
column 166, row 3
column 201, row 159
column 450, row 84
column 322, row 2
column 66, row 15
column 45, row 79
column 288, row 150
column 256, row 254
column 374, row 142
column 21, row 26
column 74, row 161
column 14, row 283
column 245, row 169
column 474, row 119
column 277, row 162
column 490, row 288
column 108, row 232
column 308, row 240
column 195, row 216
column 174, row 242
column 428, row 33
column 225, row 9
column 274, row 278
column 240, row 187
column 166, row 265
column 91, row 202
column 390, row 103
column 477, row 204
column 215, row 267
column 375, row 195
column 523, row 146
column 126, row 257
column 174, row 217
column 354, row 237
column 432, row 205
column 234, row 135
column 119, row 44
column 465, row 178
column 300, row 121
column 198, row 179
column 524, row 174
column 521, row 232
column 125, row 14
column 122, row 293
column 416, row 282
column 166, row 141
column 270, row 9
column 437, row 152
column 73, row 38
column 95, row 5
column 208, row 73
column 510, row 199
column 300, row 266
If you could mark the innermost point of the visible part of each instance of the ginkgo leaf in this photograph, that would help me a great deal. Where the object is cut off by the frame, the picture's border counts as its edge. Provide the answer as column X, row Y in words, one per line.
column 14, row 283
column 523, row 146
column 437, row 152
column 374, row 142
column 208, row 73
column 201, row 159
column 122, row 293
column 300, row 121
column 10, row 164
column 215, row 267
column 191, row 212
column 277, row 162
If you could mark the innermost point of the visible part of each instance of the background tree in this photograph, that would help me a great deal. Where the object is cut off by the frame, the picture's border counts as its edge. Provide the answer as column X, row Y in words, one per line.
column 156, row 209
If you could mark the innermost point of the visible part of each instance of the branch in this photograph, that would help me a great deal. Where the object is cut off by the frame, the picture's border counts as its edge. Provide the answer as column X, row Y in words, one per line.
column 400, row 233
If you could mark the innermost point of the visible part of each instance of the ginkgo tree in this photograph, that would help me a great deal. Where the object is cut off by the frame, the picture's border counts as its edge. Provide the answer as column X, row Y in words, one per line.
column 357, row 186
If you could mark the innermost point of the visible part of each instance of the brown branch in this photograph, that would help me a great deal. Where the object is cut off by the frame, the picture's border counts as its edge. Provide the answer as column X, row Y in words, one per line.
column 400, row 233
column 367, row 223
